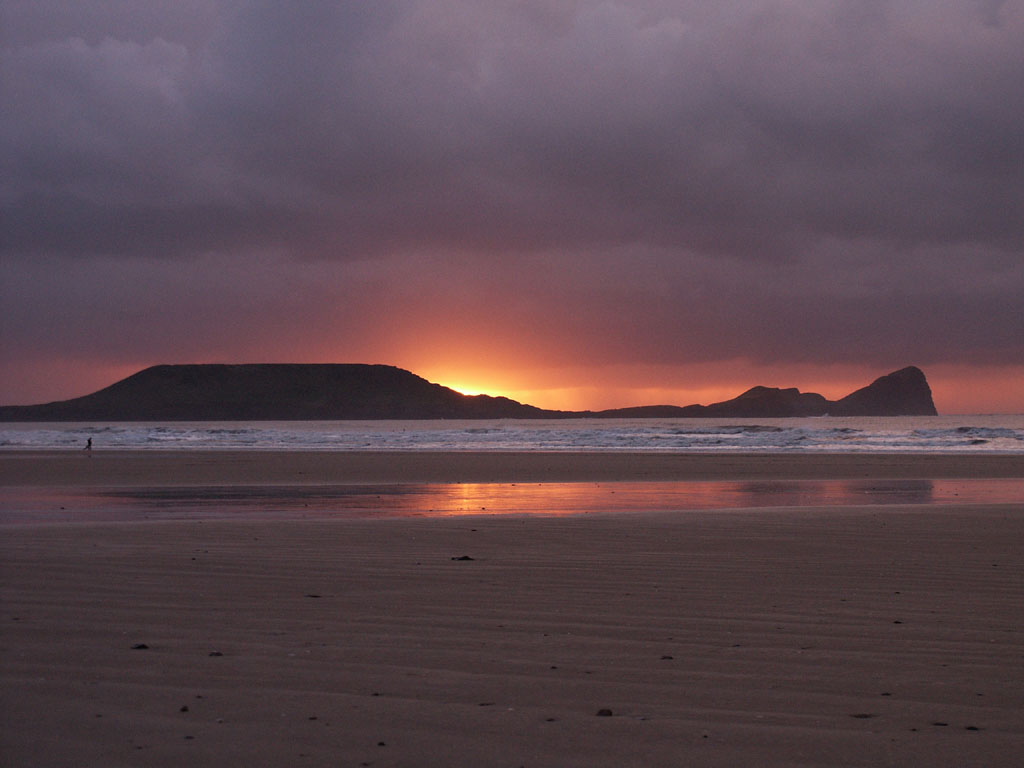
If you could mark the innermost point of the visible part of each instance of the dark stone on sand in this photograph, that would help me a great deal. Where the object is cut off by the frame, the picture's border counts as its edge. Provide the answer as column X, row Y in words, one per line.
column 940, row 724
column 463, row 557
column 183, row 708
column 216, row 653
column 312, row 595
column 604, row 713
column 140, row 647
column 863, row 715
column 666, row 658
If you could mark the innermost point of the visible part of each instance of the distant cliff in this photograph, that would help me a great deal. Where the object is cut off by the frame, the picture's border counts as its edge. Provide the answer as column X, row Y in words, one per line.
column 278, row 392
column 286, row 392
column 902, row 393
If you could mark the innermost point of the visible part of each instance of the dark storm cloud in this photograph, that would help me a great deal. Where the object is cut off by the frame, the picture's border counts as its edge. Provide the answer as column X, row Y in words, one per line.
column 739, row 129
column 770, row 175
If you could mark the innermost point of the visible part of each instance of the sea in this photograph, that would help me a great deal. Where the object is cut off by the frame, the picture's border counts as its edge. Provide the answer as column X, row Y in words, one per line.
column 969, row 434
column 999, row 434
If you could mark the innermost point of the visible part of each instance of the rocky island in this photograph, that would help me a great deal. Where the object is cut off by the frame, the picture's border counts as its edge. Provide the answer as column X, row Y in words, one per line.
column 297, row 392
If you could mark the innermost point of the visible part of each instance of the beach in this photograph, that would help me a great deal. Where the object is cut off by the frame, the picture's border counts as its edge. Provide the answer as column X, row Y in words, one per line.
column 269, row 467
column 848, row 635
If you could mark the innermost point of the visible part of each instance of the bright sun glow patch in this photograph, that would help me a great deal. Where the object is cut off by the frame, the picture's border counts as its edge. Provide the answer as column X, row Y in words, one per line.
column 468, row 386
column 465, row 387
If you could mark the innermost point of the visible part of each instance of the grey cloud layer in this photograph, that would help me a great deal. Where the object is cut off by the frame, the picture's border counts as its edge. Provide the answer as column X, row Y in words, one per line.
column 832, row 140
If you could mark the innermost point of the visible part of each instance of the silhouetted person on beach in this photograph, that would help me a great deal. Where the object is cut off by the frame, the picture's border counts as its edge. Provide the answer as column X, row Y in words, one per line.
column 88, row 444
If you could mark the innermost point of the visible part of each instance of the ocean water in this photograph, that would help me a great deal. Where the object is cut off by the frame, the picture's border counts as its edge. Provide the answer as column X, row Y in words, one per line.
column 935, row 434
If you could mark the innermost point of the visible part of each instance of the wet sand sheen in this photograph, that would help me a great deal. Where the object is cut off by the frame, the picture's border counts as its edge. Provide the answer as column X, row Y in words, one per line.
column 20, row 505
column 157, row 468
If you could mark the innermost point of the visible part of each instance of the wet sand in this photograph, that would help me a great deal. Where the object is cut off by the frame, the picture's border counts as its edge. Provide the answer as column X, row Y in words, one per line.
column 851, row 635
column 166, row 468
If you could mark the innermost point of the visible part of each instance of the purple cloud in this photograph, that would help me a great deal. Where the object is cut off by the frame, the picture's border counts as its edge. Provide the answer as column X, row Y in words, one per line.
column 773, row 181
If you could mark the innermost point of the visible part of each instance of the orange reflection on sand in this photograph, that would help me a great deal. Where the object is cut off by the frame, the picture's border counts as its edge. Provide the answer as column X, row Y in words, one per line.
column 636, row 497
column 513, row 498
column 21, row 505
column 587, row 498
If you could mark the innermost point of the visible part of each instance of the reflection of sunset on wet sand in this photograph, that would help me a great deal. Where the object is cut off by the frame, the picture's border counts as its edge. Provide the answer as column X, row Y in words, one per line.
column 462, row 499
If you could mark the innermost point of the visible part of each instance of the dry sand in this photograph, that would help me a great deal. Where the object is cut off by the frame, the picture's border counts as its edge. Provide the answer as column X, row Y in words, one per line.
column 841, row 636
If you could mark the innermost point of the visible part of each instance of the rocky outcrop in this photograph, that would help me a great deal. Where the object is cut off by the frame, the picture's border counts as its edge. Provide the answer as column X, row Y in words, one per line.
column 766, row 401
column 328, row 392
column 901, row 393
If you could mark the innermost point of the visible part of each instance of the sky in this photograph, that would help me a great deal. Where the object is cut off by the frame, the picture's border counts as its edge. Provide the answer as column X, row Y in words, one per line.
column 577, row 204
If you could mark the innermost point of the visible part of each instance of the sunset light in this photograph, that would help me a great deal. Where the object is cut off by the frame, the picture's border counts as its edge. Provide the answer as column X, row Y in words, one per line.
column 573, row 205
column 539, row 382
column 469, row 389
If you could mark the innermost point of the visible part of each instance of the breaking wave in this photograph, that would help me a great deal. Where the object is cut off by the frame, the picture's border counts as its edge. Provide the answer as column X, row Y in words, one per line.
column 936, row 434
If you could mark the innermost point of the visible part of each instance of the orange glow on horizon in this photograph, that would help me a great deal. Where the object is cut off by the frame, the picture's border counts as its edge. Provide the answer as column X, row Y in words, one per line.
column 957, row 389
column 470, row 389
column 468, row 384
column 597, row 388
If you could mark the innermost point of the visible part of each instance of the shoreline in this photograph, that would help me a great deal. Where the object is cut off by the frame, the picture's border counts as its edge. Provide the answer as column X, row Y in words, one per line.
column 238, row 467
